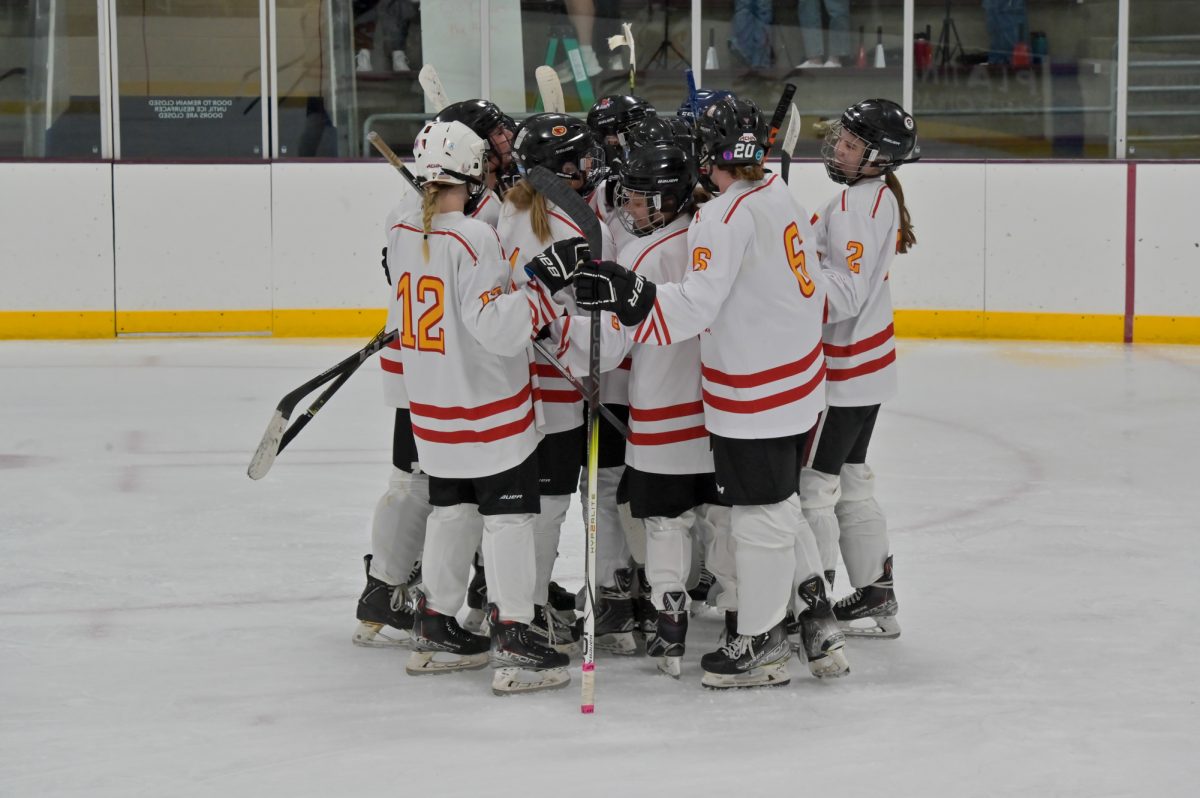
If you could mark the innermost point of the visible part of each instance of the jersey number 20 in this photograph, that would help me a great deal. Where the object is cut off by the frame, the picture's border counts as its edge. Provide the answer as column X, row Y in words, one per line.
column 794, row 245
column 430, row 291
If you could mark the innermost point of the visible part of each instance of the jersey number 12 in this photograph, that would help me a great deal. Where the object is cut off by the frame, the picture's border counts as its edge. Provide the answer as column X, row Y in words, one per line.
column 430, row 291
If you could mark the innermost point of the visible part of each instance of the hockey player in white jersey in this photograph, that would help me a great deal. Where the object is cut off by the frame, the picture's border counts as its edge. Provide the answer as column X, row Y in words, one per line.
column 611, row 119
column 464, row 346
column 528, row 223
column 487, row 121
column 750, row 297
column 859, row 232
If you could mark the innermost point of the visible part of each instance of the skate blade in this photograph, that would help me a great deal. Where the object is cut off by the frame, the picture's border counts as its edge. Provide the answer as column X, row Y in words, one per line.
column 621, row 643
column 672, row 666
column 426, row 663
column 372, row 635
column 515, row 681
column 831, row 666
column 773, row 675
column 473, row 623
column 880, row 628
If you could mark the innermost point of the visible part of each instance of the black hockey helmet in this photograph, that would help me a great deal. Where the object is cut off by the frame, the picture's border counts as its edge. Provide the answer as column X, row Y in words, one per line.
column 487, row 121
column 664, row 175
column 888, row 134
column 663, row 130
column 562, row 144
column 736, row 134
column 611, row 118
column 704, row 99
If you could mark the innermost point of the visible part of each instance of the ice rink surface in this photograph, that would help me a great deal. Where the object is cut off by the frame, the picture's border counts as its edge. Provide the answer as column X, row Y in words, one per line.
column 170, row 628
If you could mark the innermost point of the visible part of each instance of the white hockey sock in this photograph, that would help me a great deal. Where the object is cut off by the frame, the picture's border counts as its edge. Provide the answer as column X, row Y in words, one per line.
column 719, row 555
column 398, row 528
column 508, row 557
column 612, row 552
column 547, row 528
column 451, row 536
column 819, row 493
column 864, row 539
column 635, row 533
column 668, row 553
column 765, row 546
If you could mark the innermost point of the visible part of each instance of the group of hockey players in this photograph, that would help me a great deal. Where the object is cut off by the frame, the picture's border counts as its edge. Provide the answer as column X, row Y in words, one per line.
column 745, row 345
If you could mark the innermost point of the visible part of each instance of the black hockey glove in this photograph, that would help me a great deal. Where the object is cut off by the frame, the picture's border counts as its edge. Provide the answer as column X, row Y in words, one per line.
column 386, row 272
column 604, row 285
column 556, row 265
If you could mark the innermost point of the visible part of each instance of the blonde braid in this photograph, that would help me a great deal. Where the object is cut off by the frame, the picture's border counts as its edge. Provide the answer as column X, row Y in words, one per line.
column 429, row 204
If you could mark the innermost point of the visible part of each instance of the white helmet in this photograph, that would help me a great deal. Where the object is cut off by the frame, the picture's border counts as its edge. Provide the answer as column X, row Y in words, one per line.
column 450, row 152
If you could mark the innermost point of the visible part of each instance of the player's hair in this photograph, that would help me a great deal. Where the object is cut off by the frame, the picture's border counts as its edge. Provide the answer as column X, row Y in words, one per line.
column 749, row 172
column 907, row 238
column 525, row 197
column 429, row 206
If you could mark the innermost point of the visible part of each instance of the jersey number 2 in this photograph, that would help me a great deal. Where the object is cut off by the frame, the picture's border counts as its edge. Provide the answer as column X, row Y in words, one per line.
column 428, row 338
column 794, row 244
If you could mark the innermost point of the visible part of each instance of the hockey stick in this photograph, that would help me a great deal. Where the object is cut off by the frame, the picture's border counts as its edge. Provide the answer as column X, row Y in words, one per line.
column 432, row 84
column 625, row 39
column 545, row 352
column 558, row 192
column 551, row 90
column 379, row 144
column 781, row 110
column 278, row 435
column 789, row 141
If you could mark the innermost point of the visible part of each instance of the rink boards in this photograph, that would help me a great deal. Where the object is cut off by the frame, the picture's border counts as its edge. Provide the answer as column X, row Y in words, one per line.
column 1095, row 251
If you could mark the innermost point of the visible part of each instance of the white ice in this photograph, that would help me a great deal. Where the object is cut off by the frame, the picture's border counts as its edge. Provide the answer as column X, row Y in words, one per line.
column 170, row 628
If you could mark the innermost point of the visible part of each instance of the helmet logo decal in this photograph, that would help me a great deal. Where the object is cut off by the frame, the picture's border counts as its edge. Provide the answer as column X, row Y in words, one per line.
column 558, row 130
column 908, row 123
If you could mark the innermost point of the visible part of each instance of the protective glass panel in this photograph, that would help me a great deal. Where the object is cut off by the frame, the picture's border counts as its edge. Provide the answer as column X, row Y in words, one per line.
column 835, row 51
column 347, row 67
column 1015, row 78
column 1163, row 119
column 572, row 37
column 49, row 80
column 189, row 78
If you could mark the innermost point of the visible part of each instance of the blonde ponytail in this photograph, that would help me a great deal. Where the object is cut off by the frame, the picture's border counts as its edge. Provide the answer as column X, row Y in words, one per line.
column 525, row 197
column 907, row 239
column 429, row 205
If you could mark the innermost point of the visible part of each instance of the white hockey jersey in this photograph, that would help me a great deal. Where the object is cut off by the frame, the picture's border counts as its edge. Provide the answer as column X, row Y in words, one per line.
column 561, row 404
column 488, row 209
column 464, row 347
column 856, row 234
column 749, row 296
column 667, row 434
column 394, row 392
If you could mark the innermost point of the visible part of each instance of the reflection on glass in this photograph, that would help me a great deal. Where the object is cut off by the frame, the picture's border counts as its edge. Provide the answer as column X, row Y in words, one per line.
column 189, row 79
column 49, row 80
column 1015, row 78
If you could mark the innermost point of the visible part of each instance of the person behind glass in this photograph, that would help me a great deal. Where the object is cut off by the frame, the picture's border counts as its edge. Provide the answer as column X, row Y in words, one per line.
column 750, row 32
column 392, row 20
column 859, row 232
column 464, row 339
column 1006, row 22
column 486, row 120
column 818, row 55
column 528, row 223
column 750, row 298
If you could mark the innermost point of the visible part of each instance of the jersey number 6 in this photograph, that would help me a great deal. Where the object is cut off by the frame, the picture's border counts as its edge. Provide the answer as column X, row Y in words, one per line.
column 427, row 338
column 794, row 245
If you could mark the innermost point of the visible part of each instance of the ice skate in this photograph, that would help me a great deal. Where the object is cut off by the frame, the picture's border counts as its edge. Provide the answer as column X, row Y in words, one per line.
column 440, row 645
column 824, row 644
column 523, row 663
column 870, row 611
column 667, row 644
column 384, row 618
column 699, row 593
column 749, row 661
column 476, row 600
column 561, row 600
column 614, row 617
column 550, row 630
column 645, row 614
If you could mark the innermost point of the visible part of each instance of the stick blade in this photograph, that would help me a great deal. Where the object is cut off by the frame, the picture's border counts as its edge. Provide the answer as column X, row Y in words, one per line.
column 432, row 84
column 550, row 89
column 793, row 131
column 268, row 447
